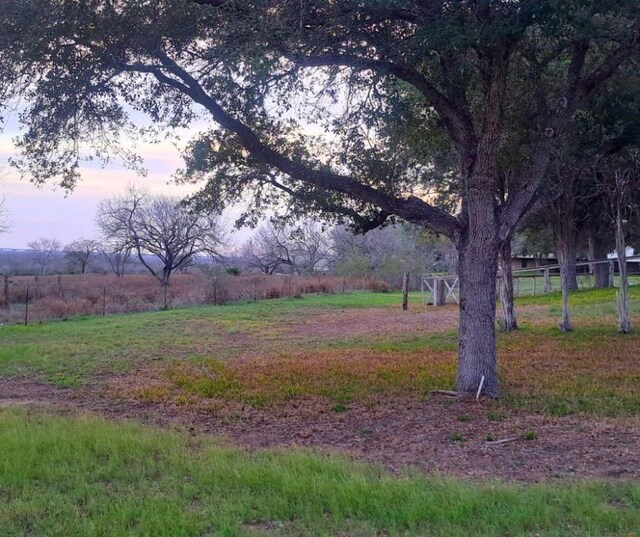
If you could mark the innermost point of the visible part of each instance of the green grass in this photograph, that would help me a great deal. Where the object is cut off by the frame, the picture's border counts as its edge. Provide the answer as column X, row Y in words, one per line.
column 524, row 286
column 581, row 297
column 69, row 352
column 207, row 352
column 86, row 477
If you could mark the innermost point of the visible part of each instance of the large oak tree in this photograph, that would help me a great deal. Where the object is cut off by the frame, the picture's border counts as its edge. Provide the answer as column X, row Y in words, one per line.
column 411, row 95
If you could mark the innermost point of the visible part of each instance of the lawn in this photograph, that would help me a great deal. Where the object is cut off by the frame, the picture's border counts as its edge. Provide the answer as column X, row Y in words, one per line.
column 268, row 352
column 87, row 477
column 350, row 371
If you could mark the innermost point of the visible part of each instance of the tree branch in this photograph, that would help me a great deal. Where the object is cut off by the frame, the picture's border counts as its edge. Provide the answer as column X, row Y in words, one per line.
column 411, row 208
column 456, row 119
column 578, row 89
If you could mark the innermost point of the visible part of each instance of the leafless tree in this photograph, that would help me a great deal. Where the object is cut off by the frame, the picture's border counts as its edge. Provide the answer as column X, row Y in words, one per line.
column 117, row 255
column 159, row 226
column 303, row 248
column 5, row 218
column 366, row 254
column 44, row 250
column 79, row 252
column 267, row 250
column 310, row 247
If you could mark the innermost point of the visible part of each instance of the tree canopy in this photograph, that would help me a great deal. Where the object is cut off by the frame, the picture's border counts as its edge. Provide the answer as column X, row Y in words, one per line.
column 356, row 109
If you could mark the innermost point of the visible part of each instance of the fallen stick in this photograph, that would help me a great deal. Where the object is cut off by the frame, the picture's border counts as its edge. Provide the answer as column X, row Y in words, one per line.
column 480, row 387
column 449, row 393
column 501, row 441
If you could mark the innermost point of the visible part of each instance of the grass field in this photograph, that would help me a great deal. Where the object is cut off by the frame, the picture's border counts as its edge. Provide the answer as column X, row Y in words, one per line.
column 81, row 475
column 86, row 477
column 262, row 352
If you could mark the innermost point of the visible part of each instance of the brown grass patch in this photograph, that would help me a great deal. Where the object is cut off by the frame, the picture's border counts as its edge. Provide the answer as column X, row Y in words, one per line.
column 339, row 375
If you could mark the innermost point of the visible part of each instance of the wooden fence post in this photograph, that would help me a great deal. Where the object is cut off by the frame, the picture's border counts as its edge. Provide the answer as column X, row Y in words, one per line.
column 535, row 279
column 26, row 307
column 439, row 294
column 405, row 290
column 6, row 292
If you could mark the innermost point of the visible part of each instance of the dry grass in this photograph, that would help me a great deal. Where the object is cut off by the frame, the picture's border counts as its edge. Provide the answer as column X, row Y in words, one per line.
column 339, row 375
column 593, row 370
column 60, row 297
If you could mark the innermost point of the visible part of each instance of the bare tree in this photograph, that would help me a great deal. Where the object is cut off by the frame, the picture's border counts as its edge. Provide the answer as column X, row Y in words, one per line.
column 368, row 254
column 79, row 252
column 304, row 248
column 44, row 250
column 5, row 218
column 267, row 250
column 159, row 226
column 310, row 247
column 117, row 254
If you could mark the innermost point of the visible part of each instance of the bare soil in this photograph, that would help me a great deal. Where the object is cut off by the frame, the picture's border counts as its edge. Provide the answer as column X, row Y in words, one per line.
column 439, row 436
column 377, row 322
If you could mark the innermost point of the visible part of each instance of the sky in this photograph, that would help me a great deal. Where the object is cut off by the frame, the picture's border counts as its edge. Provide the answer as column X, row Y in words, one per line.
column 54, row 213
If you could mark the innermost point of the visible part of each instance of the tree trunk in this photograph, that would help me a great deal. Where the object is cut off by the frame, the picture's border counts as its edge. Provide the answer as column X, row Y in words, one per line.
column 624, row 321
column 565, row 323
column 566, row 251
column 166, row 274
column 565, row 236
column 477, row 270
column 439, row 292
column 598, row 250
column 509, row 322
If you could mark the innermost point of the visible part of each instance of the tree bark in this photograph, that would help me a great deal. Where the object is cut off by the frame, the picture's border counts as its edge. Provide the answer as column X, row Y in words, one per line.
column 624, row 321
column 509, row 321
column 477, row 269
column 567, row 277
column 598, row 250
column 566, row 250
column 565, row 238
column 478, row 248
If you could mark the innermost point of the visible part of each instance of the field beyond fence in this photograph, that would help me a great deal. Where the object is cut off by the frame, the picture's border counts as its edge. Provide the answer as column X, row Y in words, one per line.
column 27, row 299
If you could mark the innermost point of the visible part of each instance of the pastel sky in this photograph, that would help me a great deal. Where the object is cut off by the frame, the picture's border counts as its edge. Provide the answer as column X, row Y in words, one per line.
column 53, row 213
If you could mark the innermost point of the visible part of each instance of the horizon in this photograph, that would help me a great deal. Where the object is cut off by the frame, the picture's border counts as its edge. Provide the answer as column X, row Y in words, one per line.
column 49, row 211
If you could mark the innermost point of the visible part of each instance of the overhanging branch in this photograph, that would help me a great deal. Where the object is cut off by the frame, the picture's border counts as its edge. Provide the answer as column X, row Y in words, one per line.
column 412, row 209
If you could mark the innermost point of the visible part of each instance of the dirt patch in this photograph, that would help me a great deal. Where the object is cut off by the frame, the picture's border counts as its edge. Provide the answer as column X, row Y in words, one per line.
column 436, row 437
column 377, row 322
column 27, row 392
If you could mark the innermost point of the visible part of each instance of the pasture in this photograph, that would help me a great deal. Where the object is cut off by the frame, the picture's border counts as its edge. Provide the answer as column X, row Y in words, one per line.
column 315, row 416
